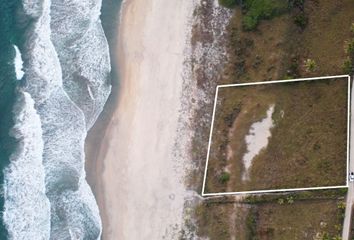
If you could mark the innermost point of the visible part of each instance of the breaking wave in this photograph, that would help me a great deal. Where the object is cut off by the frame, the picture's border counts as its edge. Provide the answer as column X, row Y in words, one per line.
column 83, row 53
column 64, row 88
column 26, row 210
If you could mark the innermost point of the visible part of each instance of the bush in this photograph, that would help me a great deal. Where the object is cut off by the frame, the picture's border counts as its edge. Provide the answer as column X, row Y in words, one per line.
column 280, row 201
column 228, row 3
column 310, row 65
column 225, row 177
column 341, row 205
column 249, row 23
column 257, row 10
column 349, row 47
column 290, row 200
column 297, row 3
column 301, row 20
column 348, row 66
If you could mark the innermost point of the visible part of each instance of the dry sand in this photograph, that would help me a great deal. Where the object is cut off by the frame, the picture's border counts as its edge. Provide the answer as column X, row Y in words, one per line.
column 142, row 180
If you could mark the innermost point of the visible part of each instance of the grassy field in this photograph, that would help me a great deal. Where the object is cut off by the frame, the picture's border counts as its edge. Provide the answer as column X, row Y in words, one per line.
column 302, row 216
column 279, row 48
column 307, row 147
column 310, row 38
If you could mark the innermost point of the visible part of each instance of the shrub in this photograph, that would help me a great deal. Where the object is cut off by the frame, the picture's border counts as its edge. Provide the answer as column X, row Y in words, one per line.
column 348, row 66
column 228, row 3
column 343, row 191
column 290, row 200
column 341, row 205
column 225, row 177
column 297, row 3
column 301, row 20
column 257, row 10
column 326, row 236
column 280, row 201
column 310, row 65
column 349, row 47
column 249, row 23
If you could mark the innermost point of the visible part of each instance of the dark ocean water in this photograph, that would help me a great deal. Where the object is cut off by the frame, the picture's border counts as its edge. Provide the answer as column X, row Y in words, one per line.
column 8, row 37
column 110, row 20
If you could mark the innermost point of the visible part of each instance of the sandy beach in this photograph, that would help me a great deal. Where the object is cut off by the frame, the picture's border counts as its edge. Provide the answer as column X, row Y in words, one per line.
column 141, row 180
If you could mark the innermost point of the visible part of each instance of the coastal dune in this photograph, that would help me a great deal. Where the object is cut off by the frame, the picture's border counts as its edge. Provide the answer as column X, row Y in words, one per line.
column 142, row 177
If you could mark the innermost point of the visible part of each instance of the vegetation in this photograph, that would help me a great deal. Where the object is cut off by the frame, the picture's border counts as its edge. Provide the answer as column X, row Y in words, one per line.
column 307, row 147
column 296, row 196
column 349, row 48
column 348, row 66
column 251, row 225
column 225, row 177
column 212, row 220
column 278, row 50
column 301, row 20
column 305, row 219
column 228, row 3
column 257, row 10
column 310, row 65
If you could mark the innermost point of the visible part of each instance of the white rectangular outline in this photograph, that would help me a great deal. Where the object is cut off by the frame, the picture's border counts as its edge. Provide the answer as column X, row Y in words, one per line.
column 285, row 189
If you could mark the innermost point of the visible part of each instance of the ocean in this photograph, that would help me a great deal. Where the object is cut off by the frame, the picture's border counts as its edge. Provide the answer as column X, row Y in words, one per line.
column 8, row 37
column 47, row 105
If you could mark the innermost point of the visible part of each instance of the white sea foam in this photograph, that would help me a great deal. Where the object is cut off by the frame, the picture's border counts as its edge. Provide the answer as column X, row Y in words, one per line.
column 74, row 212
column 83, row 53
column 43, row 72
column 18, row 64
column 26, row 208
column 257, row 139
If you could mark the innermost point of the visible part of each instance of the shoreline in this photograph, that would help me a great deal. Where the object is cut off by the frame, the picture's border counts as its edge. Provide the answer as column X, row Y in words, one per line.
column 114, row 168
column 96, row 135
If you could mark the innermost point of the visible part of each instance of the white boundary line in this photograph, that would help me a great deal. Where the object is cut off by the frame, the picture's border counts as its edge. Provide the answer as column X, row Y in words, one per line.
column 272, row 191
column 282, row 81
column 348, row 128
column 286, row 189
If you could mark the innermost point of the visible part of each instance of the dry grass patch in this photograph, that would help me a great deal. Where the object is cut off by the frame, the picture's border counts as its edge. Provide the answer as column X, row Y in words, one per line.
column 308, row 142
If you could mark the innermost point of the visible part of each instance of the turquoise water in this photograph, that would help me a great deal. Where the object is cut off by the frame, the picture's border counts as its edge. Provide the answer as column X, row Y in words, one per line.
column 8, row 37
